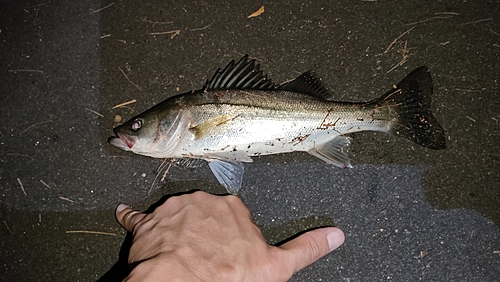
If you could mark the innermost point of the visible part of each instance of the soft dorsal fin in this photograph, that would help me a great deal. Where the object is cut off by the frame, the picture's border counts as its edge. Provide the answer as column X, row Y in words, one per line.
column 307, row 83
column 244, row 74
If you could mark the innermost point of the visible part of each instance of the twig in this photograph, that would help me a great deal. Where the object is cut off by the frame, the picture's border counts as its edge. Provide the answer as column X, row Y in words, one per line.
column 94, row 112
column 395, row 40
column 447, row 13
column 124, row 104
column 105, row 7
column 398, row 64
column 160, row 168
column 36, row 14
column 90, row 232
column 23, row 70
column 22, row 186
column 166, row 171
column 173, row 32
column 468, row 90
column 45, row 184
column 148, row 21
column 129, row 79
column 8, row 227
column 475, row 22
column 66, row 199
column 495, row 33
column 201, row 28
column 19, row 155
column 106, row 35
column 429, row 19
column 470, row 118
column 35, row 6
column 35, row 124
column 120, row 157
column 405, row 52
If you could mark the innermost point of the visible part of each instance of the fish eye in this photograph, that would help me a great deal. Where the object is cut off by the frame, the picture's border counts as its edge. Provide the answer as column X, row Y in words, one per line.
column 136, row 125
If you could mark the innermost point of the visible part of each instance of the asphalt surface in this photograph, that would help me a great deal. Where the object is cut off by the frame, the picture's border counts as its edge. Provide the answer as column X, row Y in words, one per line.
column 409, row 213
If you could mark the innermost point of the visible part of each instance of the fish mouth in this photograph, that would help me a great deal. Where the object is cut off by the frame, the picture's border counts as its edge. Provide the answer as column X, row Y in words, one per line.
column 122, row 141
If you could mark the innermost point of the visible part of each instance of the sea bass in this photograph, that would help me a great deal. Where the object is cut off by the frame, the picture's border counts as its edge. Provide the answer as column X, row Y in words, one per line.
column 240, row 113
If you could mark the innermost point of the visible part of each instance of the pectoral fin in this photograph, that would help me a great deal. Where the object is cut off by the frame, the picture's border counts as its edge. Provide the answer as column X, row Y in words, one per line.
column 229, row 173
column 334, row 151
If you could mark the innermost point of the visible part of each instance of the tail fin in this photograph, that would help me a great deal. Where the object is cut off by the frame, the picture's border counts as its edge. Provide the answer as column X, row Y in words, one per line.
column 414, row 120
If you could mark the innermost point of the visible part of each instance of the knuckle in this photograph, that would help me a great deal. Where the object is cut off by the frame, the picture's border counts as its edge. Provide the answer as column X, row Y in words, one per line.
column 316, row 249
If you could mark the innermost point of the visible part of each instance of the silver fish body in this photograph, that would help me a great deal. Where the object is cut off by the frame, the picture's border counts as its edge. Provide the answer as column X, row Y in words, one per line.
column 240, row 114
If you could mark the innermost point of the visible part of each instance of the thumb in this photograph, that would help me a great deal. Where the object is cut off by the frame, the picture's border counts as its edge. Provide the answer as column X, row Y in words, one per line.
column 127, row 217
column 312, row 245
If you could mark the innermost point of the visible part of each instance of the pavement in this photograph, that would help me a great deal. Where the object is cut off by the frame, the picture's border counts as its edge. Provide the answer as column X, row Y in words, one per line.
column 409, row 213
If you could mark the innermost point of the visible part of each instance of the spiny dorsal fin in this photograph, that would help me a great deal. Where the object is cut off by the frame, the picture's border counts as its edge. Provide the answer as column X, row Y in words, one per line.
column 307, row 83
column 244, row 74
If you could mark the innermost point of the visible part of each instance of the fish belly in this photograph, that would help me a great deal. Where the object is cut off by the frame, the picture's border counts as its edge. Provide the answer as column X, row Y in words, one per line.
column 246, row 136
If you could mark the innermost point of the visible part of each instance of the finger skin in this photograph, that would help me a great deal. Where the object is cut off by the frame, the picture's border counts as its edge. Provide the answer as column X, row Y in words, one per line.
column 311, row 246
column 127, row 217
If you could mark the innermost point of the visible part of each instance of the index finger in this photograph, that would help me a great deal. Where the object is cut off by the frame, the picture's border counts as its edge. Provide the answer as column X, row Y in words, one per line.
column 127, row 217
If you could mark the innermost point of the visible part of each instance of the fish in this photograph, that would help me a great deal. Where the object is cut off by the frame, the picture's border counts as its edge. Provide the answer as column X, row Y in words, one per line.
column 240, row 113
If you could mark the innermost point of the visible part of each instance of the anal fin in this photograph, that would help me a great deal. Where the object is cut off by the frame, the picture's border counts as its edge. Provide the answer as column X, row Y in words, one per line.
column 229, row 173
column 334, row 151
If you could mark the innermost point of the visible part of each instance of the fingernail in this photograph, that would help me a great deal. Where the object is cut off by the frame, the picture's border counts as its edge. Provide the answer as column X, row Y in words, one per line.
column 335, row 239
column 121, row 207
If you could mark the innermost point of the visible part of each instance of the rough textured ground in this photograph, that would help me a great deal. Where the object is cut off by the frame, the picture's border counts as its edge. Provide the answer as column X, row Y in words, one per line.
column 409, row 213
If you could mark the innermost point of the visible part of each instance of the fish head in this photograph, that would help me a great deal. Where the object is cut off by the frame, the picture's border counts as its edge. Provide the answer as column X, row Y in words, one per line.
column 152, row 133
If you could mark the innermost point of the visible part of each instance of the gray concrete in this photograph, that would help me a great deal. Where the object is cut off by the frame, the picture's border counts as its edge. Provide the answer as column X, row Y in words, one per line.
column 408, row 213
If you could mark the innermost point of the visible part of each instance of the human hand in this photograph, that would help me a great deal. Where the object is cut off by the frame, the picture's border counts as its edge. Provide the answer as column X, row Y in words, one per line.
column 203, row 237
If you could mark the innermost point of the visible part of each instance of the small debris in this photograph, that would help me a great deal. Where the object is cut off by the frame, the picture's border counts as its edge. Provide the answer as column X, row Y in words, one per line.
column 475, row 22
column 148, row 21
column 22, row 186
column 94, row 112
column 66, row 199
column 45, row 184
column 90, row 232
column 117, row 119
column 143, row 174
column 447, row 13
column 160, row 168
column 125, row 104
column 406, row 54
column 136, row 86
column 174, row 33
column 429, row 19
column 35, row 124
column 201, row 28
column 257, row 13
column 39, row 71
column 105, row 7
column 8, row 227
column 395, row 40
column 470, row 118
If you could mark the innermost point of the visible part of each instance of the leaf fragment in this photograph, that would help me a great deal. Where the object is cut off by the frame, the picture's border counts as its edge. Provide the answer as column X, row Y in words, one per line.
column 256, row 13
